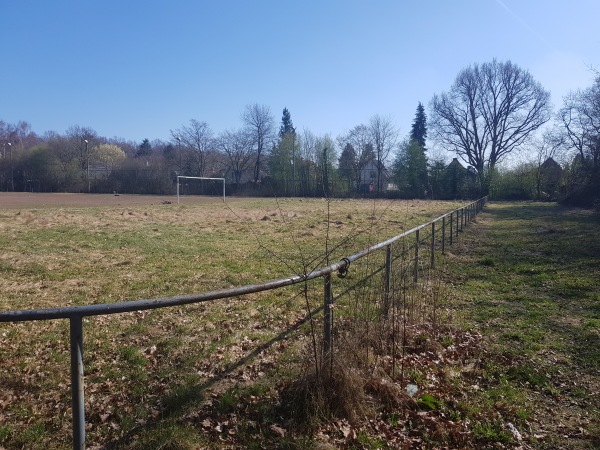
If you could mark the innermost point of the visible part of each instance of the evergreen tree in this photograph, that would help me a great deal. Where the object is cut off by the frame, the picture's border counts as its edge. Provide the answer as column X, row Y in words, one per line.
column 418, row 132
column 325, row 164
column 411, row 163
column 284, row 155
column 144, row 149
column 437, row 169
column 281, row 168
column 411, row 170
column 286, row 124
column 169, row 151
column 454, row 180
column 348, row 166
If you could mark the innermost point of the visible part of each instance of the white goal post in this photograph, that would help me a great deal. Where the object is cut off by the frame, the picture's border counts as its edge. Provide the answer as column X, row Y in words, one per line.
column 200, row 178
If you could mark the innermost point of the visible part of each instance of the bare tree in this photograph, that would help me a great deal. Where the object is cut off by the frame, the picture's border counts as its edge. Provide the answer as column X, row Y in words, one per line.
column 261, row 124
column 20, row 134
column 580, row 117
column 308, row 147
column 326, row 155
column 490, row 111
column 384, row 137
column 237, row 147
column 360, row 138
column 81, row 140
column 199, row 137
column 65, row 168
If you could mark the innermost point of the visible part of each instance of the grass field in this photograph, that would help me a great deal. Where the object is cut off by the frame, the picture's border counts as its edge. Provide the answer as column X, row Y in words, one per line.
column 529, row 282
column 59, row 256
column 138, row 364
column 520, row 341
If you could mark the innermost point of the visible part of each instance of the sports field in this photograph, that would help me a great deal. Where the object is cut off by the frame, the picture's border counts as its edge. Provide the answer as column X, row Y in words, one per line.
column 512, row 364
column 142, row 368
column 13, row 200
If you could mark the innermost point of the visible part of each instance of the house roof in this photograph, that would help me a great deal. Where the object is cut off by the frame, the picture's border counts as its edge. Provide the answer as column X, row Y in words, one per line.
column 551, row 164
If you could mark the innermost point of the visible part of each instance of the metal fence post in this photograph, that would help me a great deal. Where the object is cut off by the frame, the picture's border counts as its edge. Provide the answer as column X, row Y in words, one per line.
column 76, row 331
column 416, row 277
column 457, row 224
column 328, row 315
column 451, row 224
column 432, row 244
column 388, row 271
column 443, row 235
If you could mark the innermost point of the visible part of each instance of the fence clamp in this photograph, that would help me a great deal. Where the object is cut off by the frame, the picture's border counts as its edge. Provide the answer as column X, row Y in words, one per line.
column 343, row 271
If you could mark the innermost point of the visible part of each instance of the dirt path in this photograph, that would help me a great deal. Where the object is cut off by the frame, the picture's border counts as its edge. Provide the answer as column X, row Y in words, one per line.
column 17, row 200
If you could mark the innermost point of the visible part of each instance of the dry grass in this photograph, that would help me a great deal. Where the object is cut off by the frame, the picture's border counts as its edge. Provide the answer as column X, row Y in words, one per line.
column 499, row 341
column 62, row 256
column 152, row 377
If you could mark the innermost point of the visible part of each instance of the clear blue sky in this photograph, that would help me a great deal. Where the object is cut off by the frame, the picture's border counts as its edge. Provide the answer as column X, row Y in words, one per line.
column 137, row 69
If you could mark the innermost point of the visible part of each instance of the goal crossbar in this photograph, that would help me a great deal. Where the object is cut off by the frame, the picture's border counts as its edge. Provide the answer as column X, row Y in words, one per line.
column 200, row 178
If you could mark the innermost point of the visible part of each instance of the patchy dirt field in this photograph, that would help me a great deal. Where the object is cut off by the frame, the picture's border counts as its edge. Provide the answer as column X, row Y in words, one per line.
column 16, row 200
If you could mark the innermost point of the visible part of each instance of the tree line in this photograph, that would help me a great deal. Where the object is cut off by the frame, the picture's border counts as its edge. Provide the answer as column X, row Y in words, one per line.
column 490, row 114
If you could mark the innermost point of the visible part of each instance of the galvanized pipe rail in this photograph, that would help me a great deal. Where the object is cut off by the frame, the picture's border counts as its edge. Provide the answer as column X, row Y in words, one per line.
column 75, row 314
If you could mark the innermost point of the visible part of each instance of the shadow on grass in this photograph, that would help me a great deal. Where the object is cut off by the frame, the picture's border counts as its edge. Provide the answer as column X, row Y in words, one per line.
column 187, row 396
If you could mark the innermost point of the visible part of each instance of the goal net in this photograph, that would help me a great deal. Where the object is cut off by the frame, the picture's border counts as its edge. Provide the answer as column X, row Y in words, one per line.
column 188, row 186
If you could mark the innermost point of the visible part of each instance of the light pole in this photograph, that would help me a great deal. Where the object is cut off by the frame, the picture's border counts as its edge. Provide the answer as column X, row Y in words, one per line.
column 293, row 162
column 88, row 163
column 179, row 151
column 12, row 181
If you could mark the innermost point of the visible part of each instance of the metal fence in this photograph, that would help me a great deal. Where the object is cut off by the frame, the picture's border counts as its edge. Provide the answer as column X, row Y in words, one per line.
column 432, row 236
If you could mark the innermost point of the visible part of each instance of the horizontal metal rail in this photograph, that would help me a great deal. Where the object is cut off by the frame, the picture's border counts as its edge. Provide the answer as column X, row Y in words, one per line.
column 75, row 314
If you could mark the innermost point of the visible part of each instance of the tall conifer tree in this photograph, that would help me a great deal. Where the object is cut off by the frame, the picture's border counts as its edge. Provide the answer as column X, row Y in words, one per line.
column 418, row 132
column 286, row 124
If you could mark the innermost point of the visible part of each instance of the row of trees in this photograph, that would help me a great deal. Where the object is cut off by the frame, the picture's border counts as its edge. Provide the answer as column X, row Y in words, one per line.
column 491, row 111
column 253, row 159
column 496, row 109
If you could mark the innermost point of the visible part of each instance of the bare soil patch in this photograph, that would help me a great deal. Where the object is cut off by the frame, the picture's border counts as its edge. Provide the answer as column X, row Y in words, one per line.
column 16, row 200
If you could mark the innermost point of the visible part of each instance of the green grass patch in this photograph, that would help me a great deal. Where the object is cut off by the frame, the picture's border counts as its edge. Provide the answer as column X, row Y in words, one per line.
column 491, row 432
column 538, row 310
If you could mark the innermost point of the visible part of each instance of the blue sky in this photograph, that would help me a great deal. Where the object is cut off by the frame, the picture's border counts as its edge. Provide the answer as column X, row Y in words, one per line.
column 138, row 69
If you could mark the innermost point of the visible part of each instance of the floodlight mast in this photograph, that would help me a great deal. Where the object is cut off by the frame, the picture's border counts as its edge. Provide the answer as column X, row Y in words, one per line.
column 200, row 178
column 88, row 164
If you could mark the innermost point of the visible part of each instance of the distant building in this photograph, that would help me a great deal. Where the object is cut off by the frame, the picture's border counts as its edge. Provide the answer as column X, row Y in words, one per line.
column 367, row 177
column 550, row 175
